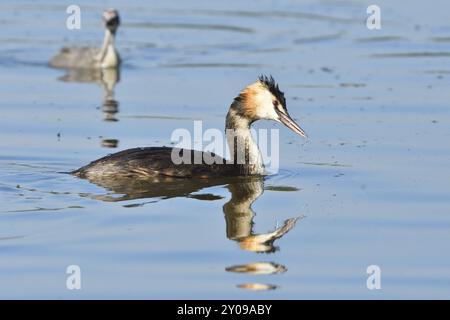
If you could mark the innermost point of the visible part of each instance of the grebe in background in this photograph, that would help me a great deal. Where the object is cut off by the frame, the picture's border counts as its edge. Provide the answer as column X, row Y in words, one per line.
column 260, row 100
column 93, row 58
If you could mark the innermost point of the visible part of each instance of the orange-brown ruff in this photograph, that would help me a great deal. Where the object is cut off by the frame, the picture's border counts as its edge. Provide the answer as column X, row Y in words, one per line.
column 260, row 100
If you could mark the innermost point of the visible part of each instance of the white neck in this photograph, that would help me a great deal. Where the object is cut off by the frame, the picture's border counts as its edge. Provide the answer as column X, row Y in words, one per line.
column 108, row 56
column 244, row 152
column 106, row 41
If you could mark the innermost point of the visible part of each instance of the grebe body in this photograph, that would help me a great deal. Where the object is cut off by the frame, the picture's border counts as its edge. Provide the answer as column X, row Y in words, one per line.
column 260, row 100
column 93, row 58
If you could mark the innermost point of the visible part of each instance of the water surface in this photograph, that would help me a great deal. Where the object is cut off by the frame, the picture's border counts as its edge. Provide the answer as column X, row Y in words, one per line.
column 370, row 186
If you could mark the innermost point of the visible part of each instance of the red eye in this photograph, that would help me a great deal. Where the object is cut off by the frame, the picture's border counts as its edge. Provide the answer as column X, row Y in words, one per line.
column 275, row 103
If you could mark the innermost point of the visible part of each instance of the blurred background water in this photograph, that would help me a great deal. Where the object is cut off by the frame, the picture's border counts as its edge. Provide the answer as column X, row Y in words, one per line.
column 371, row 186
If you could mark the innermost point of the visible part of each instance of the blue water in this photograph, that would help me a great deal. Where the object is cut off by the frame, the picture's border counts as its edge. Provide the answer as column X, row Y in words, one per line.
column 371, row 185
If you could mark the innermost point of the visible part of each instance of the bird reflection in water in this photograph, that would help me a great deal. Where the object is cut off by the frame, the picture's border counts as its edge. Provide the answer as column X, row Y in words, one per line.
column 239, row 220
column 257, row 286
column 239, row 215
column 107, row 79
column 110, row 143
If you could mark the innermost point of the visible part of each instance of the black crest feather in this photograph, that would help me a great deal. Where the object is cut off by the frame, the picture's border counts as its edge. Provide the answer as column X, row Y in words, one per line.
column 272, row 86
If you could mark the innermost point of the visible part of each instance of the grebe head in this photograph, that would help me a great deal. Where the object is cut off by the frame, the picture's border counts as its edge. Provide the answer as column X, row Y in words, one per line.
column 111, row 20
column 264, row 100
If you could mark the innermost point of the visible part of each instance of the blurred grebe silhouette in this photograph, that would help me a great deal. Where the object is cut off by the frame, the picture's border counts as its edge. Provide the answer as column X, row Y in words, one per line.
column 106, row 56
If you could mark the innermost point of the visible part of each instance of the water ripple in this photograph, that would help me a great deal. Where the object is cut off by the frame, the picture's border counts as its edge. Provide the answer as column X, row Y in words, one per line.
column 189, row 26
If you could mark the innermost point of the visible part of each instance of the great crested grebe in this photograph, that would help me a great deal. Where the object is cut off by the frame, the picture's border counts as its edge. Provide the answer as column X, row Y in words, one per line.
column 260, row 100
column 93, row 58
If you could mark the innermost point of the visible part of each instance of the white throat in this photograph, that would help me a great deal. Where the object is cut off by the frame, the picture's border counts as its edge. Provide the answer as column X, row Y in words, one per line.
column 108, row 56
column 244, row 151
